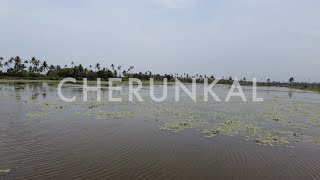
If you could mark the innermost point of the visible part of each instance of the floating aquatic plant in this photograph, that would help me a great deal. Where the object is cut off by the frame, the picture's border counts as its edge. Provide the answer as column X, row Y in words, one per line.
column 315, row 122
column 5, row 171
column 270, row 139
column 37, row 114
column 228, row 128
column 178, row 126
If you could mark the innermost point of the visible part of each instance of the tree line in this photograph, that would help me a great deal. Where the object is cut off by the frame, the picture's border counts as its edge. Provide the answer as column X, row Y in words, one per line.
column 35, row 68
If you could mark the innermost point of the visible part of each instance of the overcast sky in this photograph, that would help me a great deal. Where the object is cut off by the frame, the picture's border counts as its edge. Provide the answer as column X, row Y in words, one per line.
column 253, row 38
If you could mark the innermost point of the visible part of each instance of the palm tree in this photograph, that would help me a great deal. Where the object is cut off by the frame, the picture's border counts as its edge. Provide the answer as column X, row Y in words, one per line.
column 52, row 67
column 17, row 64
column 130, row 68
column 35, row 64
column 10, row 61
column 33, row 61
column 115, row 73
column 1, row 65
column 40, row 69
column 119, row 69
column 6, row 64
column 26, row 63
column 124, row 73
column 72, row 64
column 268, row 80
column 98, row 66
column 112, row 66
column 44, row 66
column 291, row 80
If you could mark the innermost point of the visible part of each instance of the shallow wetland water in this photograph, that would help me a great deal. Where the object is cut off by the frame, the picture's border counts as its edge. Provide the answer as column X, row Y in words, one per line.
column 42, row 137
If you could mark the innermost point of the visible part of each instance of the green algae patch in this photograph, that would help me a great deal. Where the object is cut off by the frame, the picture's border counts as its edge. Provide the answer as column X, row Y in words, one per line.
column 220, row 115
column 178, row 126
column 4, row 171
column 227, row 128
column 36, row 114
column 294, row 137
column 312, row 139
column 315, row 122
column 97, row 113
column 114, row 115
column 270, row 116
column 270, row 139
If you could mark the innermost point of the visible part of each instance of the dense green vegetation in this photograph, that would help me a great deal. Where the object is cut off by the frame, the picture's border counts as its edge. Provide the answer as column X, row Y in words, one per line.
column 17, row 68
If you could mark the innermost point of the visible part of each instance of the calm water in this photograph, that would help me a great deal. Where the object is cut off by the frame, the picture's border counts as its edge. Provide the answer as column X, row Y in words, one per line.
column 42, row 137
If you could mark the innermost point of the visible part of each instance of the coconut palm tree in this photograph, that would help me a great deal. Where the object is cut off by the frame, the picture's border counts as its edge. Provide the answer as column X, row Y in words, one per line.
column 37, row 67
column 52, row 67
column 115, row 73
column 130, row 69
column 124, row 73
column 10, row 61
column 291, row 80
column 35, row 64
column 45, row 66
column 1, row 65
column 18, row 66
column 80, row 68
column 33, row 61
column 98, row 66
column 119, row 70
column 6, row 64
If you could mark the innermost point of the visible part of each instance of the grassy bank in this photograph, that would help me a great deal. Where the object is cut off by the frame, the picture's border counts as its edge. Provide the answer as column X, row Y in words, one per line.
column 79, row 81
column 306, row 87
